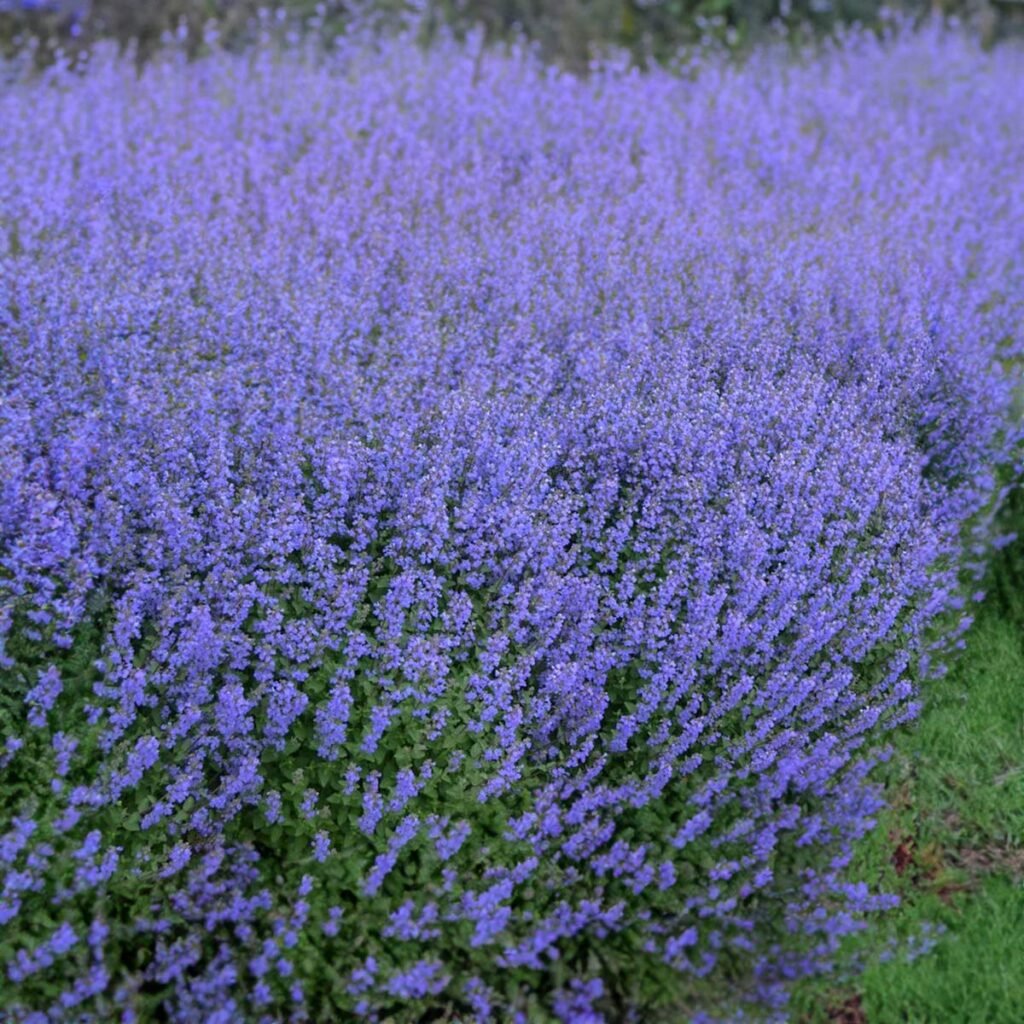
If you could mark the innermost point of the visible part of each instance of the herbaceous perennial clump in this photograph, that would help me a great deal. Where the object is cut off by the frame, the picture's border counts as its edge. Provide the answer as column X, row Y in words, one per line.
column 465, row 529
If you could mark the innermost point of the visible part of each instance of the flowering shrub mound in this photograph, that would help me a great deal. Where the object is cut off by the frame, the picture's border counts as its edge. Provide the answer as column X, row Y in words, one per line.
column 465, row 529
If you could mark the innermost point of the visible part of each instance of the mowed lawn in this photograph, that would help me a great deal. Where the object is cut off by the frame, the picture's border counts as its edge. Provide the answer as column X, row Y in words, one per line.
column 952, row 843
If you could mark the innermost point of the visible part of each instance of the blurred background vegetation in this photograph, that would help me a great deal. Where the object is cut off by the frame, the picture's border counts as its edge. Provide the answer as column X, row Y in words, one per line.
column 569, row 31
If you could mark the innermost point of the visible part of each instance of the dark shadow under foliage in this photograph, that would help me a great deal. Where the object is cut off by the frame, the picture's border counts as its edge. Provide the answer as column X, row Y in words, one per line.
column 568, row 31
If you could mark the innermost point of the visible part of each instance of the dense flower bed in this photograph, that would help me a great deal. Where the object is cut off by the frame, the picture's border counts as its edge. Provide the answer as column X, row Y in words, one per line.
column 465, row 529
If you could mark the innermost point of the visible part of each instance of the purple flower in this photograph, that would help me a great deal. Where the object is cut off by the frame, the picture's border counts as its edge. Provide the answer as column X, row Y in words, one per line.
column 42, row 697
column 321, row 846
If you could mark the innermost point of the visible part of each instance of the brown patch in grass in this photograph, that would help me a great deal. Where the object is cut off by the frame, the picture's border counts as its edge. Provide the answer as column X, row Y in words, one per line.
column 949, row 890
column 931, row 867
column 984, row 860
column 903, row 855
column 849, row 1012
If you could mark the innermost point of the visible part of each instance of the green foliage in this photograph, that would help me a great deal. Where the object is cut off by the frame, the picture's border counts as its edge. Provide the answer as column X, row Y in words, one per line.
column 568, row 31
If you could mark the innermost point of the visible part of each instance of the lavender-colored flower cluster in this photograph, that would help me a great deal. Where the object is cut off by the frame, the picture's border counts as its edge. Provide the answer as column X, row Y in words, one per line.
column 465, row 527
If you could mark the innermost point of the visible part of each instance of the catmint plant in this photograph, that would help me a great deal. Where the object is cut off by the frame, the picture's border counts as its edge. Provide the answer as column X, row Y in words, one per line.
column 466, row 530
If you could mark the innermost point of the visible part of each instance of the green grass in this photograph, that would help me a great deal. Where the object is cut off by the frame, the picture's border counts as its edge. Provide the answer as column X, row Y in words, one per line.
column 951, row 845
column 975, row 975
